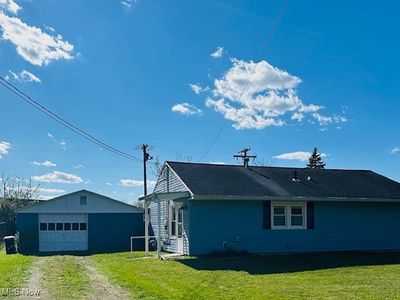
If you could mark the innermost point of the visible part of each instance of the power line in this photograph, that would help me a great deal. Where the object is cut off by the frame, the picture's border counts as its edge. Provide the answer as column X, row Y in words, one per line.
column 265, row 45
column 25, row 97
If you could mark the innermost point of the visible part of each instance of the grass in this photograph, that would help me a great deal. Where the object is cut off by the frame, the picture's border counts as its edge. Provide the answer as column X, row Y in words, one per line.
column 14, row 269
column 335, row 276
column 65, row 278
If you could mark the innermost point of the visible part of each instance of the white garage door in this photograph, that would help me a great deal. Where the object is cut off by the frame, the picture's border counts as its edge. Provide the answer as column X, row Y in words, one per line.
column 63, row 232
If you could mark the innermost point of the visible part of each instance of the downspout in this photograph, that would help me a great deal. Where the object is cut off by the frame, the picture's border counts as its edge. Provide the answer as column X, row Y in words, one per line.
column 158, row 227
column 146, row 228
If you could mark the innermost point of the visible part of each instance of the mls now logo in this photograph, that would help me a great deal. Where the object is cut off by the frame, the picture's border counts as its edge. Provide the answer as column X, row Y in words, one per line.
column 19, row 292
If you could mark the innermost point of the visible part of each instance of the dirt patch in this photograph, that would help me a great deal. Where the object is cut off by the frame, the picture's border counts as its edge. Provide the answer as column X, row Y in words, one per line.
column 34, row 284
column 101, row 287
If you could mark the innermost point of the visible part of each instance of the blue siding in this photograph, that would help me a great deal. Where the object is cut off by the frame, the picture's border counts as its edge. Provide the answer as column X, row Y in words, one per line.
column 28, row 229
column 338, row 227
column 111, row 232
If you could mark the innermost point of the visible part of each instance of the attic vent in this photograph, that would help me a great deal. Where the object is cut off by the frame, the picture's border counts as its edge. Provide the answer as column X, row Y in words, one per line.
column 83, row 200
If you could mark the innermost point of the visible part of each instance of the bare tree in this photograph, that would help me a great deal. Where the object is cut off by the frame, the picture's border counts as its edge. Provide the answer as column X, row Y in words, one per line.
column 15, row 193
column 183, row 158
column 156, row 167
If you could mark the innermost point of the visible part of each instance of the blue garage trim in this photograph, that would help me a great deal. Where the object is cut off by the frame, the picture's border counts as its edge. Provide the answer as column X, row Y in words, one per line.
column 111, row 232
column 28, row 230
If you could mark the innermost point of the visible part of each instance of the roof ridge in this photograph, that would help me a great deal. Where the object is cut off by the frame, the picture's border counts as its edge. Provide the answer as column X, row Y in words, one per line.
column 269, row 167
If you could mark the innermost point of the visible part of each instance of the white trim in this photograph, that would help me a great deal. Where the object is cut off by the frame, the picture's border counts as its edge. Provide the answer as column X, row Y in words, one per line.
column 289, row 198
column 288, row 215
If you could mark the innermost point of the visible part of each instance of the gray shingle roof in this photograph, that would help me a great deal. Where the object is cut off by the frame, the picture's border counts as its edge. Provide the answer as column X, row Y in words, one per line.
column 234, row 180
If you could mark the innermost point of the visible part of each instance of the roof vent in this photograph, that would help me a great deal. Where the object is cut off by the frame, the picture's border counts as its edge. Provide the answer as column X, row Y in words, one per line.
column 295, row 179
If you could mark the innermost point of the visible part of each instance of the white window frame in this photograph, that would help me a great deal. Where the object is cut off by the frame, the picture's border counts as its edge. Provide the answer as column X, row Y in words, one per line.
column 288, row 214
column 174, row 211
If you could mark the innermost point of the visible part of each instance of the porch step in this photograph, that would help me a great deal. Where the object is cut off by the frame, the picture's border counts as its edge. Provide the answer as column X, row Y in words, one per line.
column 170, row 255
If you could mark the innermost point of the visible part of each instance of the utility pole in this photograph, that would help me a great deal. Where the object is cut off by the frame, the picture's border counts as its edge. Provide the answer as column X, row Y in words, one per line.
column 146, row 157
column 243, row 155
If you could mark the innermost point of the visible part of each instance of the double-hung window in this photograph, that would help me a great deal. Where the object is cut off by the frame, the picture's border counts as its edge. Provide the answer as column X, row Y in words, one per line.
column 288, row 215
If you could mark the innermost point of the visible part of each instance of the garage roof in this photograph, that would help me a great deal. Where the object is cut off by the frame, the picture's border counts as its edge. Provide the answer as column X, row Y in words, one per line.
column 71, row 203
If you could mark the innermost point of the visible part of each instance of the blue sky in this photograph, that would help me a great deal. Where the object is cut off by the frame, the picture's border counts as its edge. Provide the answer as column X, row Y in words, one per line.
column 170, row 74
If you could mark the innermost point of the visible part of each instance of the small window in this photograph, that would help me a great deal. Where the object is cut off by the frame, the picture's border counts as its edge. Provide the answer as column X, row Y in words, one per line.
column 296, row 216
column 288, row 215
column 43, row 226
column 279, row 219
column 75, row 226
column 173, row 228
column 51, row 226
column 83, row 200
column 67, row 226
column 82, row 226
column 59, row 226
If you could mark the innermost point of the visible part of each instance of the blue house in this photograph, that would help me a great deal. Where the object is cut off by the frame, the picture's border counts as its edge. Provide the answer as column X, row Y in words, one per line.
column 201, row 208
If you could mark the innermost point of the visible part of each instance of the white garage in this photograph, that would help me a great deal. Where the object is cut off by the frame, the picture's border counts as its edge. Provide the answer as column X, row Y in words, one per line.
column 63, row 232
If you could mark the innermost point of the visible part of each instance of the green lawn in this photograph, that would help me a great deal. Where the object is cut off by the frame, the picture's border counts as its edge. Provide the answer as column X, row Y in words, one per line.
column 14, row 269
column 65, row 278
column 337, row 276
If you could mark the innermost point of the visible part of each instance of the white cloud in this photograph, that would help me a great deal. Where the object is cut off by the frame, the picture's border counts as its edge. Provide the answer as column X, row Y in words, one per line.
column 217, row 162
column 49, row 28
column 136, row 183
column 46, row 163
column 258, row 95
column 23, row 76
column 34, row 45
column 51, row 191
column 28, row 76
column 9, row 6
column 58, row 177
column 109, row 184
column 393, row 151
column 78, row 166
column 324, row 120
column 128, row 3
column 297, row 116
column 4, row 147
column 197, row 89
column 61, row 142
column 186, row 109
column 298, row 155
column 219, row 52
column 46, row 197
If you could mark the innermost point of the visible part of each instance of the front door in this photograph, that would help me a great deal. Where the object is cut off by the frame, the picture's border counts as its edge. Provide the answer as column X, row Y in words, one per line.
column 179, row 230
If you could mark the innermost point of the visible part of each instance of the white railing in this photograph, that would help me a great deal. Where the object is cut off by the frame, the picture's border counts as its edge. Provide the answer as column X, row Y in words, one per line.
column 141, row 237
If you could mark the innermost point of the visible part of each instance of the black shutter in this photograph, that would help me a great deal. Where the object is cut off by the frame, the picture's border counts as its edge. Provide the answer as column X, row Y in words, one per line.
column 267, row 214
column 310, row 215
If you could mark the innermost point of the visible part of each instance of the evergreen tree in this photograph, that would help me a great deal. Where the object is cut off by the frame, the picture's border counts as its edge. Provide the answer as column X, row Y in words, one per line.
column 315, row 160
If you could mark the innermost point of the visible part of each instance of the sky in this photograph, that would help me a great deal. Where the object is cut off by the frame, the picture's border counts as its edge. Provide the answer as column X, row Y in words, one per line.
column 184, row 75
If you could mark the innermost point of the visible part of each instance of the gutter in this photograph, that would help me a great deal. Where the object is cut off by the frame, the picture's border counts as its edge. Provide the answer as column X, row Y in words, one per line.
column 291, row 198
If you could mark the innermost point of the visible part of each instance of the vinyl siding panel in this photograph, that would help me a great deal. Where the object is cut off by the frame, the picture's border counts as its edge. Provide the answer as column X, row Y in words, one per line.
column 168, row 182
column 28, row 229
column 338, row 227
column 111, row 232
